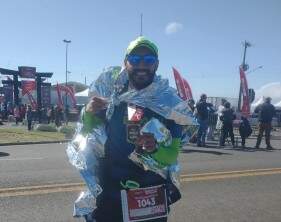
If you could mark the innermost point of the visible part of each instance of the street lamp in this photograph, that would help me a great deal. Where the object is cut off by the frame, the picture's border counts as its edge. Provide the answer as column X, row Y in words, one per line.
column 66, row 71
column 253, row 70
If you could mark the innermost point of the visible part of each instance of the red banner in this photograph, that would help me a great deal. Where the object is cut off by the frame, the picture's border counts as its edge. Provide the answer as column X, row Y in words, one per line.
column 69, row 90
column 183, row 87
column 27, row 86
column 245, row 94
column 60, row 104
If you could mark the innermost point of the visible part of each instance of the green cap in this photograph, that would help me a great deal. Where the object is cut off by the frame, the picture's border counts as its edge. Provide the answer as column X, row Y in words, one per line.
column 142, row 41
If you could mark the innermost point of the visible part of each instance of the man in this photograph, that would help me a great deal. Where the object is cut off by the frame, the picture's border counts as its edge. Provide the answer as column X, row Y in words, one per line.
column 29, row 117
column 266, row 112
column 227, row 118
column 141, row 62
column 201, row 112
column 219, row 113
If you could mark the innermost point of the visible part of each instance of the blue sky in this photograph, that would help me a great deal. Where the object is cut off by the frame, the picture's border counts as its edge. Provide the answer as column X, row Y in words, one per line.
column 203, row 40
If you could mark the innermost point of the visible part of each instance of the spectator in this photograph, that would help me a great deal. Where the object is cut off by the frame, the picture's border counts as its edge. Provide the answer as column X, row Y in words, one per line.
column 66, row 114
column 49, row 115
column 219, row 112
column 245, row 130
column 191, row 104
column 227, row 118
column 58, row 116
column 29, row 117
column 201, row 113
column 17, row 114
column 266, row 112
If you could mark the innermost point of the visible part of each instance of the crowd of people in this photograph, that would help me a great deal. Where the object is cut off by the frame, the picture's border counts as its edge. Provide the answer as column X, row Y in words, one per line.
column 222, row 121
column 24, row 113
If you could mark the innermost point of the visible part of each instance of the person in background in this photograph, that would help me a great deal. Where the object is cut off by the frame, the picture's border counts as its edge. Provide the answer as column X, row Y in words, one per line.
column 266, row 111
column 29, row 117
column 201, row 113
column 219, row 113
column 66, row 114
column 212, row 121
column 227, row 118
column 191, row 104
column 49, row 114
column 17, row 114
column 58, row 116
column 245, row 130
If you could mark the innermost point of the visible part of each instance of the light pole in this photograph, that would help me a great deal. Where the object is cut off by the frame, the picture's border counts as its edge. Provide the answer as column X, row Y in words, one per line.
column 66, row 71
column 245, row 67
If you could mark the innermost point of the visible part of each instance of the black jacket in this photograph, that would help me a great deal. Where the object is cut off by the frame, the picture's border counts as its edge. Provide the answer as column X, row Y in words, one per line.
column 227, row 116
column 202, row 110
column 266, row 112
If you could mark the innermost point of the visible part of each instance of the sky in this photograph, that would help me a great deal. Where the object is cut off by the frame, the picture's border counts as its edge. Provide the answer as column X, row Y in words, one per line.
column 201, row 38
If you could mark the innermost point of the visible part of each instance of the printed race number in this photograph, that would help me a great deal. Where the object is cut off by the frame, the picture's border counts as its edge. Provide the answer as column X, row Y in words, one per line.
column 144, row 203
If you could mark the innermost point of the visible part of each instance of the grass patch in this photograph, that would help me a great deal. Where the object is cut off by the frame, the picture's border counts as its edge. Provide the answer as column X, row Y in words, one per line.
column 14, row 135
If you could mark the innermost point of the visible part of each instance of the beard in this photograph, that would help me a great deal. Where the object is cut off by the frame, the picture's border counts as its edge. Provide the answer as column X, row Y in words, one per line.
column 141, row 78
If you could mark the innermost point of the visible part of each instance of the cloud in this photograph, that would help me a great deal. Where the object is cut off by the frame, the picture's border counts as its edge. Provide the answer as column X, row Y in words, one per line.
column 173, row 27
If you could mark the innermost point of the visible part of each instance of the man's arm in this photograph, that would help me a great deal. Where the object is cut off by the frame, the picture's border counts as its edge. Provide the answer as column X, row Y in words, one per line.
column 90, row 120
column 167, row 155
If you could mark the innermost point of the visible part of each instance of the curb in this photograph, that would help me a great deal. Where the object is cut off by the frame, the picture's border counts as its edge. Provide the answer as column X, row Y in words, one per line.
column 39, row 142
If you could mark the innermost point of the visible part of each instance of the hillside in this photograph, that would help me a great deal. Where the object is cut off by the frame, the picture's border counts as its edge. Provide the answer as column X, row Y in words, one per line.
column 77, row 86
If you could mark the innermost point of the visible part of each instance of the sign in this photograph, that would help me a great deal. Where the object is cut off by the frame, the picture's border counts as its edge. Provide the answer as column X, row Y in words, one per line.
column 27, row 72
column 144, row 204
column 46, row 94
column 27, row 86
column 245, row 93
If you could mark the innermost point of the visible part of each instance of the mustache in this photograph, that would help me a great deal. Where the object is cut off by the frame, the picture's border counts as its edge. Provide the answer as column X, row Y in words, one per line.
column 141, row 70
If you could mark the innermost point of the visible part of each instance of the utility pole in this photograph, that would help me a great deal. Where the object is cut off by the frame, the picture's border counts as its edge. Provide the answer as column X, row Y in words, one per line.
column 245, row 67
column 141, row 25
column 66, row 71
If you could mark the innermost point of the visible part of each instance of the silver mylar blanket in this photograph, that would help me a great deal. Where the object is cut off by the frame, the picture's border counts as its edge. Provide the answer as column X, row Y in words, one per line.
column 84, row 150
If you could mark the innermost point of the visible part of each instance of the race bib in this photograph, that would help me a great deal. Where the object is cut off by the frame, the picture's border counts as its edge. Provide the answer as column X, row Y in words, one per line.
column 144, row 203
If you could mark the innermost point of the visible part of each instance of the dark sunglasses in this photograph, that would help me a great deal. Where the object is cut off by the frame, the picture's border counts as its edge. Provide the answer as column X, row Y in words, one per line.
column 147, row 59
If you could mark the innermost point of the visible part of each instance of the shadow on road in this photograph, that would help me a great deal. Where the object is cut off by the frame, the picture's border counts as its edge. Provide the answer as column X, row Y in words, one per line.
column 205, row 151
column 2, row 154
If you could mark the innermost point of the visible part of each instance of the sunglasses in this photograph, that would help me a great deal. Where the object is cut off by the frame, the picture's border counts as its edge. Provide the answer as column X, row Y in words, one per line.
column 147, row 59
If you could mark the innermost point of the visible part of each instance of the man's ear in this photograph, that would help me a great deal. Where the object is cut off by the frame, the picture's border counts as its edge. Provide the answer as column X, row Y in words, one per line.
column 156, row 65
column 125, row 62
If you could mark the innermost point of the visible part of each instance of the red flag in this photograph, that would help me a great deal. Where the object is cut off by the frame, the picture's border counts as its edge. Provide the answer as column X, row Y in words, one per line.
column 32, row 100
column 245, row 93
column 60, row 104
column 187, row 89
column 69, row 90
column 183, row 87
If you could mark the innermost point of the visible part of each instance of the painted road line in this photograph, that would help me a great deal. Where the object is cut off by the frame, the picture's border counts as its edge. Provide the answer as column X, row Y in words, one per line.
column 229, row 174
column 41, row 189
column 21, row 159
column 73, row 187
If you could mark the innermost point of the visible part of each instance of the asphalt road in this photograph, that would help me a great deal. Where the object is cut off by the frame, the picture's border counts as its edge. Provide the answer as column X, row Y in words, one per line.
column 248, row 190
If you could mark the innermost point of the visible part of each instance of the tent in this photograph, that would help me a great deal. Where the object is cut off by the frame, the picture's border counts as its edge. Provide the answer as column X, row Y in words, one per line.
column 82, row 97
column 272, row 90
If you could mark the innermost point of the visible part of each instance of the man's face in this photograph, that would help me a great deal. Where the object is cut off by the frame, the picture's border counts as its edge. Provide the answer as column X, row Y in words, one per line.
column 141, row 67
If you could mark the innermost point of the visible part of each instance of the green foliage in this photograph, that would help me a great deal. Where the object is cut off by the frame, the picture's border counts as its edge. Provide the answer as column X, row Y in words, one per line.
column 45, row 127
column 67, row 130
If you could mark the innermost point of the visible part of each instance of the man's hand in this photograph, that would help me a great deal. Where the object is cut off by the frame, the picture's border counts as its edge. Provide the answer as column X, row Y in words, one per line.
column 146, row 142
column 96, row 104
